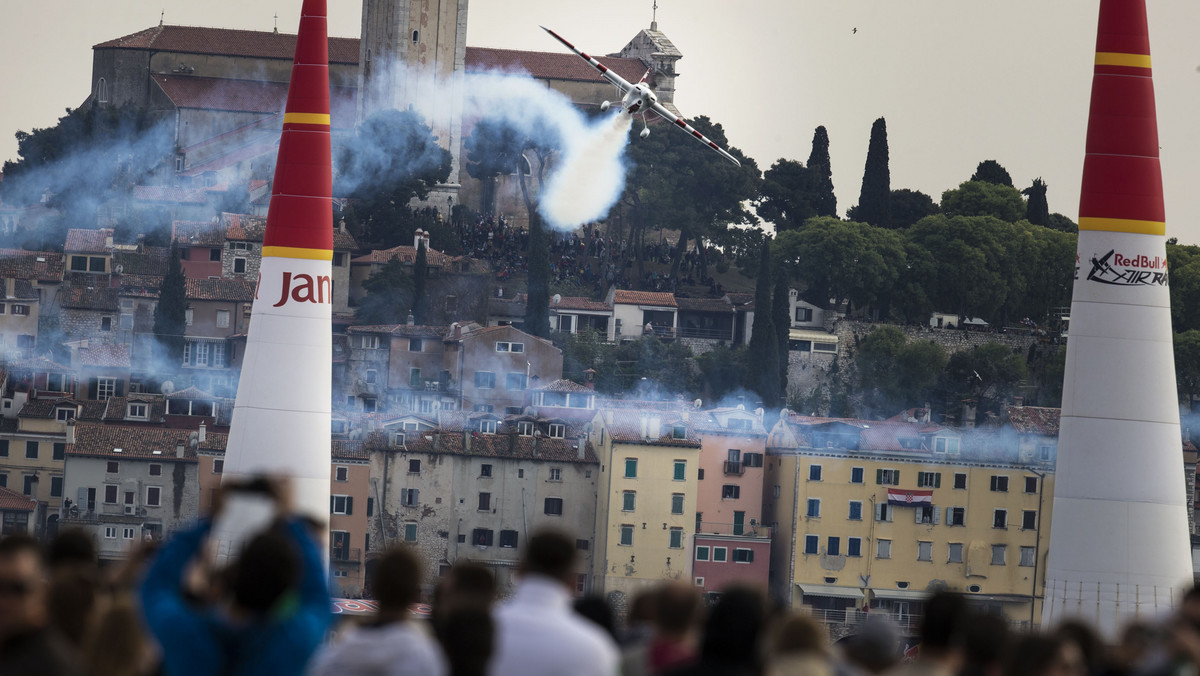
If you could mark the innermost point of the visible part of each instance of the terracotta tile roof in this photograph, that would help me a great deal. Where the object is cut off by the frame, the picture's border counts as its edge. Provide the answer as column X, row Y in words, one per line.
column 118, row 407
column 12, row 501
column 225, row 41
column 197, row 233
column 580, row 303
column 239, row 290
column 402, row 330
column 170, row 194
column 704, row 305
column 1034, row 419
column 406, row 254
column 89, row 292
column 341, row 449
column 105, row 356
column 101, row 440
column 628, row 297
column 344, row 240
column 563, row 385
column 740, row 298
column 152, row 260
column 44, row 408
column 500, row 446
column 87, row 241
column 37, row 365
column 44, row 266
column 549, row 65
column 244, row 227
column 249, row 96
column 141, row 286
column 22, row 290
column 626, row 428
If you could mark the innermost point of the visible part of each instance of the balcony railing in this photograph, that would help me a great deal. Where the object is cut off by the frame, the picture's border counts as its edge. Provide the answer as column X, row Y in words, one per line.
column 345, row 555
column 734, row 468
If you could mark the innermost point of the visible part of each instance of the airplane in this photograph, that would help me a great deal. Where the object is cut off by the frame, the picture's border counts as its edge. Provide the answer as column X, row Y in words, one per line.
column 639, row 98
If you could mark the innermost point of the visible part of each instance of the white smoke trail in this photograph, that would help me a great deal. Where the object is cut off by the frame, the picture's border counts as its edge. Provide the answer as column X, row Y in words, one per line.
column 589, row 178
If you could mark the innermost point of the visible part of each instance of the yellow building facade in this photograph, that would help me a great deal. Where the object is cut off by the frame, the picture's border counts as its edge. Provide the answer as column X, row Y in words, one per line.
column 873, row 516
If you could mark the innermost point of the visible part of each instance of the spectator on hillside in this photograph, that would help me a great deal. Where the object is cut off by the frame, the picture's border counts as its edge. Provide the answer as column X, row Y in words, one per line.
column 537, row 632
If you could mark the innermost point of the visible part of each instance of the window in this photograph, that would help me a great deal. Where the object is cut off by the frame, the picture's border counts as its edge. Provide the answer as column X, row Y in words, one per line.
column 153, row 496
column 31, row 450
column 368, row 404
column 139, row 411
column 487, row 426
column 410, row 532
column 110, row 494
column 341, row 504
column 555, row 474
column 218, row 466
column 125, row 322
column 155, row 469
column 1043, row 451
column 720, row 554
column 415, row 345
column 582, row 545
column 3, row 479
column 554, row 506
column 924, row 551
column 956, row 553
column 106, row 323
column 112, row 467
column 731, row 492
column 854, row 547
column 409, row 497
column 369, row 342
column 20, row 309
column 702, row 553
column 1031, row 484
column 508, row 539
column 239, row 266
column 485, row 502
column 56, row 487
column 482, row 537
column 414, row 466
column 700, row 474
column 187, row 317
column 105, row 388
column 1028, row 554
column 485, row 380
column 372, row 376
column 628, row 501
column 676, row 538
column 1000, row 518
column 856, row 475
column 883, row 512
column 222, row 319
column 960, row 481
column 514, row 381
column 887, row 477
column 957, row 516
column 742, row 555
column 79, row 263
column 677, row 503
column 129, row 496
column 811, row 543
column 341, row 473
column 1029, row 519
column 510, row 347
column 803, row 314
column 855, row 510
column 679, row 432
column 680, row 471
column 3, row 448
column 929, row 479
column 814, row 472
column 631, row 468
column 883, row 549
column 626, row 535
column 999, row 553
column 814, row 508
column 485, row 470
column 557, row 430
column 370, row 506
column 833, row 546
column 775, row 491
column 110, row 532
column 1000, row 483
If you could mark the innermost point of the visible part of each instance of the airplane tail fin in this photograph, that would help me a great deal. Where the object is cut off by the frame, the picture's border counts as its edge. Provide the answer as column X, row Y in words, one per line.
column 647, row 74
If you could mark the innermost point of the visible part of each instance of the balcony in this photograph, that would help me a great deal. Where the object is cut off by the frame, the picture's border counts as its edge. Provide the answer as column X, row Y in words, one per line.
column 734, row 468
column 345, row 555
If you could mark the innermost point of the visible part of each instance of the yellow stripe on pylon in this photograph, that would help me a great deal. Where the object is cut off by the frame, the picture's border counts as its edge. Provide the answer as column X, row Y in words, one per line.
column 297, row 252
column 306, row 118
column 1121, row 59
column 1123, row 225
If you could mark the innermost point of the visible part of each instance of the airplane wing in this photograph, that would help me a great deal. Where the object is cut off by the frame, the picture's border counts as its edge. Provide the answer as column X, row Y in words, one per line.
column 678, row 122
column 604, row 70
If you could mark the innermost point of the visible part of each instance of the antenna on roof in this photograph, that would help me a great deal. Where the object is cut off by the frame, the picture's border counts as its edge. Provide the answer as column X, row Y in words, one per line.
column 161, row 16
column 277, row 23
column 654, row 17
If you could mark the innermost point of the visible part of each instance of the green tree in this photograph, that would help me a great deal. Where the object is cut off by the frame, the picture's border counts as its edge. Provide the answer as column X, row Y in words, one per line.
column 420, row 306
column 1184, row 263
column 1062, row 223
column 781, row 316
column 537, row 300
column 787, row 195
column 389, row 296
column 842, row 260
column 874, row 201
column 492, row 150
column 762, row 364
column 392, row 159
column 970, row 255
column 988, row 373
column 979, row 198
column 1037, row 210
column 1187, row 366
column 721, row 372
column 990, row 171
column 825, row 203
column 170, row 313
column 910, row 206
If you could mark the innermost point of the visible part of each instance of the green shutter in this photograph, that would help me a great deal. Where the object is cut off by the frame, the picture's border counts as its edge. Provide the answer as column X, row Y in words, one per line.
column 937, row 480
column 879, row 476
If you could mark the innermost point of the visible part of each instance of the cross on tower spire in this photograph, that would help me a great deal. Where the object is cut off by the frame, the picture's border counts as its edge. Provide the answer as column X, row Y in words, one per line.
column 162, row 15
column 277, row 23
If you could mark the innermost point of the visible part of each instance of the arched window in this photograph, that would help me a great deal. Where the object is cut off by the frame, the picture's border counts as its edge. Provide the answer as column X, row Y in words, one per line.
column 102, row 91
column 416, row 36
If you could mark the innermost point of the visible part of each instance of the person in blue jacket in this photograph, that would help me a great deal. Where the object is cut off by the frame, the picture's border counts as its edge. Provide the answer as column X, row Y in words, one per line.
column 266, row 614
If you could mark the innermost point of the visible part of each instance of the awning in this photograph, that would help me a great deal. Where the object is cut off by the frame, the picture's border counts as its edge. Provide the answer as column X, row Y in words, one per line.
column 831, row 590
column 900, row 594
column 999, row 598
column 813, row 336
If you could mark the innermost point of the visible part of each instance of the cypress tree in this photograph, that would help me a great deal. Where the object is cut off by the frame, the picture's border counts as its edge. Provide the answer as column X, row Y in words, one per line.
column 824, row 201
column 991, row 171
column 874, row 202
column 537, row 301
column 420, row 306
column 762, row 362
column 1037, row 209
column 170, row 314
column 781, row 315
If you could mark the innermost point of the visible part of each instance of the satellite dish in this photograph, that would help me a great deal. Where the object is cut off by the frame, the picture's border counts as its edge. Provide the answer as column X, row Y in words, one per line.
column 119, row 269
column 167, row 387
column 557, row 298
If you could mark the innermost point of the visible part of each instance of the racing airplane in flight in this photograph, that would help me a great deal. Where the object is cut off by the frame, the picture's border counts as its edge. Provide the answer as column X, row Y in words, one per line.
column 639, row 98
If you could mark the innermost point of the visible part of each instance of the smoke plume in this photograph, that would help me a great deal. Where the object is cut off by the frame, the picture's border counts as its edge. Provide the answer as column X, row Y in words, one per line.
column 590, row 177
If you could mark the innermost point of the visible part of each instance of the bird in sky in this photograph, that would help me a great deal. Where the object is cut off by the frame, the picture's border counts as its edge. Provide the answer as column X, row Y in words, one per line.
column 854, row 30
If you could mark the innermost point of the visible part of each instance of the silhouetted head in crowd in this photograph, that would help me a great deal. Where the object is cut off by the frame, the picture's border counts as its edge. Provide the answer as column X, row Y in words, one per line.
column 799, row 634
column 1052, row 655
column 985, row 640
column 874, row 647
column 71, row 546
column 1089, row 643
column 22, row 585
column 268, row 567
column 596, row 609
column 472, row 580
column 397, row 581
column 468, row 639
column 676, row 607
column 550, row 554
column 734, row 628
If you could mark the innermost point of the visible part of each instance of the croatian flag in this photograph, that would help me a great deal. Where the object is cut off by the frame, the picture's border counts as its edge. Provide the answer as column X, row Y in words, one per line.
column 902, row 497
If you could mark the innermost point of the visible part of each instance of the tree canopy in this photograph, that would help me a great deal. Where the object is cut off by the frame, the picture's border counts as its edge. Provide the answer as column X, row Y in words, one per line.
column 980, row 198
column 874, row 200
column 825, row 202
column 990, row 171
column 170, row 313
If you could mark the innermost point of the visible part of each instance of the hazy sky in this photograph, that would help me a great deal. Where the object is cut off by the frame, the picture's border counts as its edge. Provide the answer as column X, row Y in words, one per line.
column 959, row 81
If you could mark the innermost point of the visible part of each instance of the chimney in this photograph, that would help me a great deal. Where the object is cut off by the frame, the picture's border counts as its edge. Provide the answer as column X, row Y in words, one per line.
column 179, row 450
column 410, row 320
column 645, row 427
column 1018, row 400
column 589, row 379
column 71, row 431
column 9, row 283
column 202, row 436
column 108, row 241
column 580, row 448
column 512, row 442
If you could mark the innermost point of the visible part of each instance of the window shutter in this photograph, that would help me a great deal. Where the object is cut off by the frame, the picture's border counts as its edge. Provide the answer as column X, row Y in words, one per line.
column 349, row 504
column 93, row 387
column 937, row 480
column 331, row 498
column 918, row 513
column 879, row 512
column 895, row 477
column 120, row 388
column 879, row 476
column 937, row 515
